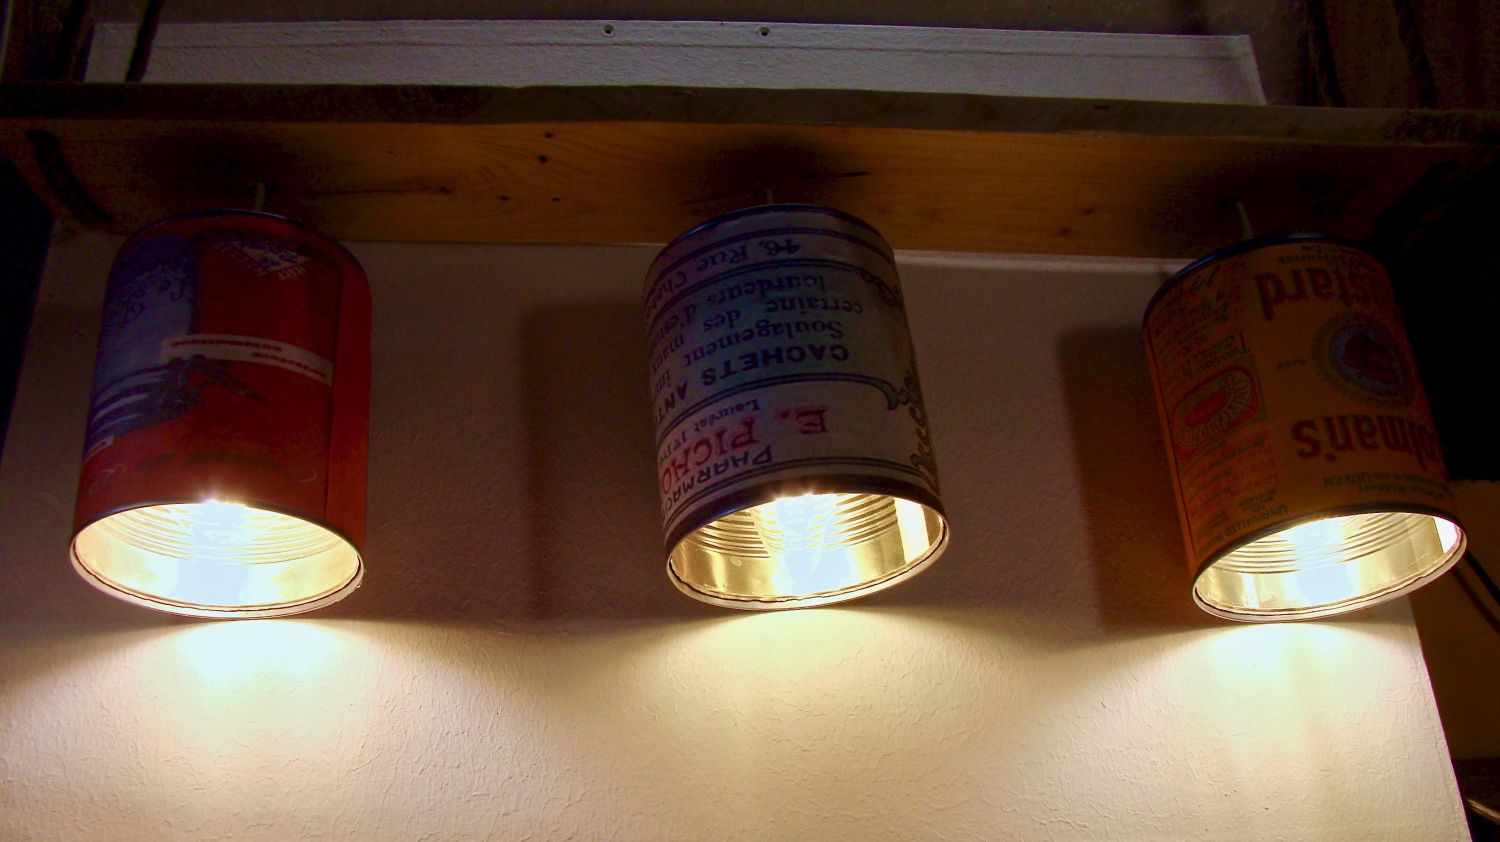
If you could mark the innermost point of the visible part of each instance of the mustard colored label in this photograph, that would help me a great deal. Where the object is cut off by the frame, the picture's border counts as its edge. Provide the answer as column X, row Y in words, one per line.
column 1287, row 390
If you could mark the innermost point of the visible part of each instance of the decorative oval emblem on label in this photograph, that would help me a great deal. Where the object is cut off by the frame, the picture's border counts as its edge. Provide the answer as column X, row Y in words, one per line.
column 1365, row 356
column 1214, row 407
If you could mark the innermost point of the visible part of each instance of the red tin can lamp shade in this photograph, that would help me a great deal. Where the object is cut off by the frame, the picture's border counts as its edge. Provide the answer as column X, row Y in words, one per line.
column 224, row 465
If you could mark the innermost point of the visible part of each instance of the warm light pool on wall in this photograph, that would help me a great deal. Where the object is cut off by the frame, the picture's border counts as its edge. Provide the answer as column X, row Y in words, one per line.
column 1309, row 480
column 224, row 464
column 793, row 452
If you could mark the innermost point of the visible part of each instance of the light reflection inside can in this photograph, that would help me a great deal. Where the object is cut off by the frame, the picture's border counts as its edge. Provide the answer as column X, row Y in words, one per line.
column 217, row 559
column 807, row 549
column 795, row 531
column 1329, row 565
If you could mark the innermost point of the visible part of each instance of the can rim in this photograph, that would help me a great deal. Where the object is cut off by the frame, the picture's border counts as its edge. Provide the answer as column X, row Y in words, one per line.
column 1252, row 244
column 209, row 213
column 253, row 613
column 752, row 210
column 1359, row 602
column 938, row 547
column 765, row 491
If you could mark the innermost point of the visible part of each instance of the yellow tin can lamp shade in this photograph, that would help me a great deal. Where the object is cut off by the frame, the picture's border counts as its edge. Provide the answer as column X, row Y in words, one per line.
column 1309, row 480
column 224, row 467
column 794, row 456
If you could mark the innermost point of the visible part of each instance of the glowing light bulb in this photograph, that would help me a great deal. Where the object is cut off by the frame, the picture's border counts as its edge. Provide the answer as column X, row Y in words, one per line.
column 1316, row 538
column 217, row 530
column 1329, row 565
column 217, row 558
column 796, row 533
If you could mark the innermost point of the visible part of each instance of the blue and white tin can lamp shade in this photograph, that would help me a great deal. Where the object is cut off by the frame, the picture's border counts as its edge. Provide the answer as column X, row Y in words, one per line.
column 794, row 456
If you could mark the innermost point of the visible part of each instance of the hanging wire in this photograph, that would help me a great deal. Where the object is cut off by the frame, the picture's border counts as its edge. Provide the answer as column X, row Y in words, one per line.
column 1321, row 85
column 77, row 28
column 145, row 35
column 1245, row 227
column 1424, row 85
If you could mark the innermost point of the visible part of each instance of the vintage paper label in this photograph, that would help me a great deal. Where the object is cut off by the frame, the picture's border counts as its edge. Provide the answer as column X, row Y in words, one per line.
column 779, row 351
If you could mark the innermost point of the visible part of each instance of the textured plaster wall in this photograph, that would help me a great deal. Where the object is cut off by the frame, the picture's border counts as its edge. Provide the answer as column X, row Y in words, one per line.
column 1458, row 642
column 517, row 666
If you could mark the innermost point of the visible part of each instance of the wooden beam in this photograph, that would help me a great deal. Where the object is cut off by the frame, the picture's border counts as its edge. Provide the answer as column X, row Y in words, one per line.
column 612, row 165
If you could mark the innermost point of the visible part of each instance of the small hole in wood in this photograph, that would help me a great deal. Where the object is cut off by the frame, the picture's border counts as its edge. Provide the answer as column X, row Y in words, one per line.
column 541, row 159
column 764, row 31
column 609, row 29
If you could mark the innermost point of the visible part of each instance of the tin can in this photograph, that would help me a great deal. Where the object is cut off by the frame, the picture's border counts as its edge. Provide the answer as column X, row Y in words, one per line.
column 1309, row 480
column 224, row 462
column 794, row 457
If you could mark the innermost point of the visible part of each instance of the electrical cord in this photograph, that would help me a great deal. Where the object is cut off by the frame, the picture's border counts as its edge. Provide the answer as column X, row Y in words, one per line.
column 1489, row 586
column 1484, row 577
column 77, row 29
column 145, row 36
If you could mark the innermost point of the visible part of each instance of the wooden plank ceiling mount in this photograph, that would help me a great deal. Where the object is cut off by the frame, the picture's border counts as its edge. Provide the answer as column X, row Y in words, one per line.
column 639, row 165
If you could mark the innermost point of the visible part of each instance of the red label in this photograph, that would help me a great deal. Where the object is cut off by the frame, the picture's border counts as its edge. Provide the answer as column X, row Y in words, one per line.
column 233, row 364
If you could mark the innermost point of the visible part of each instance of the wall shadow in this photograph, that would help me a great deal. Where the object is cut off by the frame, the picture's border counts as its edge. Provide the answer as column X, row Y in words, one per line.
column 38, row 587
column 986, row 341
column 1139, row 563
column 595, row 542
column 442, row 520
column 986, row 349
column 542, row 508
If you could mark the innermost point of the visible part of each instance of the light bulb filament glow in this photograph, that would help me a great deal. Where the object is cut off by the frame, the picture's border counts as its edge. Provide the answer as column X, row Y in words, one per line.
column 216, row 558
column 798, row 536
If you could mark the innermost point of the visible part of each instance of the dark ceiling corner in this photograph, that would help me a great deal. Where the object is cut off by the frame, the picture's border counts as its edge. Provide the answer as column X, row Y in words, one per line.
column 25, row 228
column 1443, row 248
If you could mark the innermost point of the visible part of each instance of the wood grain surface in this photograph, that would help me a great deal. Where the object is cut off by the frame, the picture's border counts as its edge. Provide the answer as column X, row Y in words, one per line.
column 626, row 165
